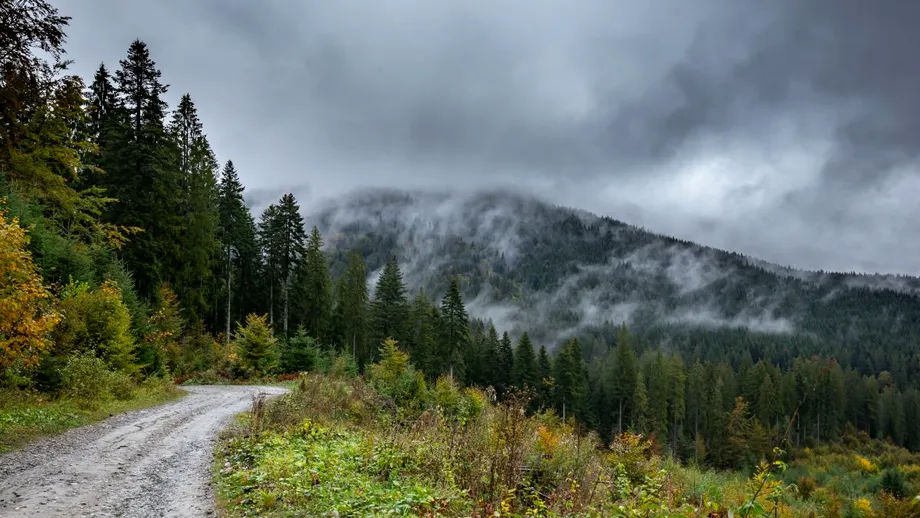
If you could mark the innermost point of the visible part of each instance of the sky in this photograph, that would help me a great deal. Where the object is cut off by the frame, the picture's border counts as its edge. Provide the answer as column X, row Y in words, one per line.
column 787, row 130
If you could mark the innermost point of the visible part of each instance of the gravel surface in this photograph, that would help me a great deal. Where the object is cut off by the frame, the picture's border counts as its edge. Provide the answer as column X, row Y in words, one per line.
column 153, row 462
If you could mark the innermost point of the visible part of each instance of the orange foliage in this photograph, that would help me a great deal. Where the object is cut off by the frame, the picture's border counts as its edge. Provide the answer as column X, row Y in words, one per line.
column 26, row 314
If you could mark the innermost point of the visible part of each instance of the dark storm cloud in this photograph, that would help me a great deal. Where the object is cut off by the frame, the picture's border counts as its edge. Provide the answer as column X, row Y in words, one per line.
column 787, row 129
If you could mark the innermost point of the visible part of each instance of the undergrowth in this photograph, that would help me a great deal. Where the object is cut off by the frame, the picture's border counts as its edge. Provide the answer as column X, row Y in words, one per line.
column 339, row 446
column 387, row 444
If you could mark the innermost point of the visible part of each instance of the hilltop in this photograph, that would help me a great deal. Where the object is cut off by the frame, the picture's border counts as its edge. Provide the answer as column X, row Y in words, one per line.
column 556, row 272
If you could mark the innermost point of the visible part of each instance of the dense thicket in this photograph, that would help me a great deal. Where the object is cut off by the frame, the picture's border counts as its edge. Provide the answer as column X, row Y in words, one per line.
column 122, row 237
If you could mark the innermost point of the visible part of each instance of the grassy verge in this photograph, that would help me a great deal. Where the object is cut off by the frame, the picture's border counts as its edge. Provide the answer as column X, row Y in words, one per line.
column 25, row 417
column 337, row 445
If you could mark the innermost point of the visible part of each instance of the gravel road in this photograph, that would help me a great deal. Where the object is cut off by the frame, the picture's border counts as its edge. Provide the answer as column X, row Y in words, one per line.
column 153, row 462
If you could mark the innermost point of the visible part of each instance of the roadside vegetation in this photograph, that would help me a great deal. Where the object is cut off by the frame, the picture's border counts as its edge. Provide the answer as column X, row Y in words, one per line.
column 390, row 444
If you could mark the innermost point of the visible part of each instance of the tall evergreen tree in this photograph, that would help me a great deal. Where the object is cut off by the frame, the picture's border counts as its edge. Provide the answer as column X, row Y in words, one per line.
column 570, row 383
column 352, row 309
column 314, row 290
column 624, row 378
column 525, row 364
column 198, row 239
column 676, row 382
column 504, row 368
column 547, row 378
column 101, row 104
column 237, row 240
column 269, row 236
column 455, row 329
column 142, row 175
column 282, row 236
column 424, row 334
column 390, row 309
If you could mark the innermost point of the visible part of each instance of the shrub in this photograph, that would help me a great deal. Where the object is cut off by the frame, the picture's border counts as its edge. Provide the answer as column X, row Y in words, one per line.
column 96, row 320
column 26, row 316
column 893, row 483
column 88, row 380
column 300, row 354
column 255, row 345
column 394, row 377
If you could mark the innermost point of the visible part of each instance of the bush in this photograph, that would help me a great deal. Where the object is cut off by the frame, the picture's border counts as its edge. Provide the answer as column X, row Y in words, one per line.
column 394, row 377
column 893, row 483
column 255, row 346
column 300, row 354
column 88, row 380
column 96, row 321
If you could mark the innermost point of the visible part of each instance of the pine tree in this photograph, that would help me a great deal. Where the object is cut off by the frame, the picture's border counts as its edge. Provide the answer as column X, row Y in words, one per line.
column 546, row 388
column 424, row 334
column 314, row 290
column 491, row 358
column 352, row 310
column 390, row 309
column 102, row 104
column 268, row 238
column 624, row 378
column 198, row 240
column 570, row 384
column 639, row 413
column 282, row 237
column 237, row 240
column 525, row 364
column 142, row 175
column 677, row 380
column 455, row 329
column 655, row 374
column 504, row 369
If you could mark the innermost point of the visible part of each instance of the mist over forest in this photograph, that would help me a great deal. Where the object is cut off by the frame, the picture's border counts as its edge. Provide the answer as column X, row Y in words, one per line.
column 526, row 264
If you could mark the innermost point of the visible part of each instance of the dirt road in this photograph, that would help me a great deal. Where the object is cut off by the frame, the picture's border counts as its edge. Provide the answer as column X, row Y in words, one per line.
column 153, row 462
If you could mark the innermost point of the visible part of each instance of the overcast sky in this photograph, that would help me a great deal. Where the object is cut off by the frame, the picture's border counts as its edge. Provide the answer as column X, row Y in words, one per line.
column 783, row 129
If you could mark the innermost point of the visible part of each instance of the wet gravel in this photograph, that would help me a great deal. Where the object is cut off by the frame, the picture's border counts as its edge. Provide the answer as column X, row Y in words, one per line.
column 153, row 462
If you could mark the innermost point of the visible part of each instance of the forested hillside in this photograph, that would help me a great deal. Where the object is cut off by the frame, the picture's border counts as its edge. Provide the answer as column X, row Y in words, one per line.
column 558, row 272
column 128, row 252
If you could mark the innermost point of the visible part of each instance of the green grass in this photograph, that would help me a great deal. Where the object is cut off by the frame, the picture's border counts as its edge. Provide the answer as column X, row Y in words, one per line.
column 319, row 469
column 25, row 417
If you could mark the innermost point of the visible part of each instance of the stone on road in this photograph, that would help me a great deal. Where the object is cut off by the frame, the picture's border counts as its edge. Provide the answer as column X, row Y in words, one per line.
column 153, row 462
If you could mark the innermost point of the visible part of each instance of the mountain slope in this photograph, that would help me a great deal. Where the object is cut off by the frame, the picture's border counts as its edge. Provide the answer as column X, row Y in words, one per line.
column 556, row 272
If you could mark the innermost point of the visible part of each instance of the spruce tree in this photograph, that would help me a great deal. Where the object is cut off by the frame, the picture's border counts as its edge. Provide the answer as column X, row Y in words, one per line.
column 235, row 234
column 491, row 360
column 504, row 368
column 269, row 238
column 314, row 290
column 142, row 175
column 424, row 334
column 101, row 104
column 351, row 310
column 390, row 309
column 525, row 364
column 547, row 378
column 570, row 384
column 676, row 382
column 198, row 239
column 455, row 330
column 282, row 237
column 624, row 378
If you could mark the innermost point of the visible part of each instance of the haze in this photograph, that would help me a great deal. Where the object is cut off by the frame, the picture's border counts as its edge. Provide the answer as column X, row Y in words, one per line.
column 787, row 130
